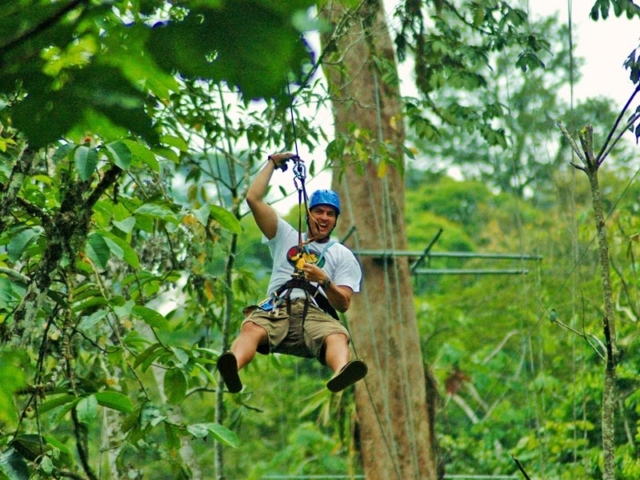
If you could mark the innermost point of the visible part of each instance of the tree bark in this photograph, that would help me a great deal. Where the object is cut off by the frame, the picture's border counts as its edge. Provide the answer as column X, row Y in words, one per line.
column 609, row 397
column 396, row 437
column 590, row 165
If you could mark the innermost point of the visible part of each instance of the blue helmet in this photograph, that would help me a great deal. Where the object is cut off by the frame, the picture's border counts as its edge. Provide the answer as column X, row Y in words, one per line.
column 325, row 197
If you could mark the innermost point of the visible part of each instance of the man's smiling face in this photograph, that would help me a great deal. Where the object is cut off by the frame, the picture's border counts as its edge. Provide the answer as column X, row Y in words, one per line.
column 322, row 222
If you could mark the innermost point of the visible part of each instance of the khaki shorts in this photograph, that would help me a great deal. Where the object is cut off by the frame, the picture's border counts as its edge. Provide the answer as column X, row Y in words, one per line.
column 289, row 335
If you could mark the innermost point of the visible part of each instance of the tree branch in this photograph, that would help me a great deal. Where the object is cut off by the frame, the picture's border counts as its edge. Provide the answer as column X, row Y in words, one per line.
column 70, row 474
column 15, row 274
column 465, row 408
column 41, row 27
column 586, row 140
column 583, row 335
column 499, row 347
column 107, row 180
column 16, row 180
column 572, row 143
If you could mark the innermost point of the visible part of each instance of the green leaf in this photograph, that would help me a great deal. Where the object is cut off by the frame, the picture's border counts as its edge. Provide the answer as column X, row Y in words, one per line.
column 55, row 443
column 119, row 153
column 150, row 317
column 46, row 465
column 13, row 466
column 227, row 219
column 123, row 310
column 6, row 292
column 97, row 250
column 20, row 242
column 86, row 159
column 205, row 371
column 177, row 142
column 144, row 154
column 87, row 409
column 202, row 214
column 148, row 356
column 115, row 401
column 276, row 48
column 12, row 378
column 175, row 386
column 62, row 152
column 122, row 249
column 45, row 115
column 30, row 445
column 57, row 401
column 53, row 108
column 157, row 211
column 134, row 63
column 114, row 248
column 64, row 410
column 220, row 433
column 172, row 437
column 93, row 319
column 126, row 225
column 198, row 430
column 168, row 154
column 181, row 355
column 90, row 304
column 224, row 435
column 106, row 91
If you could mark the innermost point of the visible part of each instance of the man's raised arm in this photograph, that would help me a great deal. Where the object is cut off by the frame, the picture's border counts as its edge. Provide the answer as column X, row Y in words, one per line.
column 264, row 215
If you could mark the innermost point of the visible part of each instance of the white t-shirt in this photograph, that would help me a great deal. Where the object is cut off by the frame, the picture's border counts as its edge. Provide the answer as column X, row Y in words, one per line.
column 334, row 258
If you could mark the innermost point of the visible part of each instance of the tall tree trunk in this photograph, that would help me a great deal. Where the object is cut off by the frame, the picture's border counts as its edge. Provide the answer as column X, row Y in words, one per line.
column 396, row 433
column 591, row 165
column 609, row 329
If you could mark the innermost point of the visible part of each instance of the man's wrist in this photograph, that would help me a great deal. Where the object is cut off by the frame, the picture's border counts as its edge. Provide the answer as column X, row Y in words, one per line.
column 278, row 162
column 326, row 283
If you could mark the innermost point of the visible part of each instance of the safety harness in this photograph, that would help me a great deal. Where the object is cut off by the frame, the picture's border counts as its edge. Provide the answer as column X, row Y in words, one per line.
column 311, row 291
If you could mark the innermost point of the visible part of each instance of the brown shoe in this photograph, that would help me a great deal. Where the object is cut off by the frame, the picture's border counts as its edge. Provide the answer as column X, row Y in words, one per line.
column 228, row 368
column 348, row 375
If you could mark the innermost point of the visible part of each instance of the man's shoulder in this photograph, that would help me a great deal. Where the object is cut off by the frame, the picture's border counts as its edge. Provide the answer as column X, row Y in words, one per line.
column 283, row 229
column 342, row 249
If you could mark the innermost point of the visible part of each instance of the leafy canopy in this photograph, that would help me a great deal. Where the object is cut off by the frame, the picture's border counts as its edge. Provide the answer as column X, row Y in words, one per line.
column 77, row 65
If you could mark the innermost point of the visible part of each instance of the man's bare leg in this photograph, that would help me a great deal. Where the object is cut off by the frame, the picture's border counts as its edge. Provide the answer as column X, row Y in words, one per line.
column 337, row 358
column 336, row 351
column 242, row 352
column 246, row 345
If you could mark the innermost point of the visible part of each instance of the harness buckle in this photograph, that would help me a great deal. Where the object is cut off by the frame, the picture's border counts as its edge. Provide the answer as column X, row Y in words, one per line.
column 271, row 303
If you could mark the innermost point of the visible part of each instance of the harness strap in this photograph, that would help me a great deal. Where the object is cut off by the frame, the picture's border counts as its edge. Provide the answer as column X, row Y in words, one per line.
column 310, row 291
column 324, row 250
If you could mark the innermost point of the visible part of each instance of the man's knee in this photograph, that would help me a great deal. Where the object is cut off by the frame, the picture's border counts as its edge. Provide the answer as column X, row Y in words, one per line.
column 336, row 339
column 253, row 330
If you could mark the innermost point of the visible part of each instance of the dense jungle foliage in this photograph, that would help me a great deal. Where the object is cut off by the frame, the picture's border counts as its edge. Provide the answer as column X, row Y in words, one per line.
column 127, row 256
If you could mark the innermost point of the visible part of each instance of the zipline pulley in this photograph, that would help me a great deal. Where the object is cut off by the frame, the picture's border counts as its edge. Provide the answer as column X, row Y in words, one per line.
column 299, row 174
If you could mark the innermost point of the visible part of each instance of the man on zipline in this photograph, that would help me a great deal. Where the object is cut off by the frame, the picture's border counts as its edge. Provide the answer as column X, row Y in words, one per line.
column 308, row 283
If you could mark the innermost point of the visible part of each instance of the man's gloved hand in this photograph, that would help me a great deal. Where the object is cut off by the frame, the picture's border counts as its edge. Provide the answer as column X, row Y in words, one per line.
column 280, row 160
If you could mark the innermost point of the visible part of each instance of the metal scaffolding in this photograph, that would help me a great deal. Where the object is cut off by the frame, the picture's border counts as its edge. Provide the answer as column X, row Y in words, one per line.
column 419, row 257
